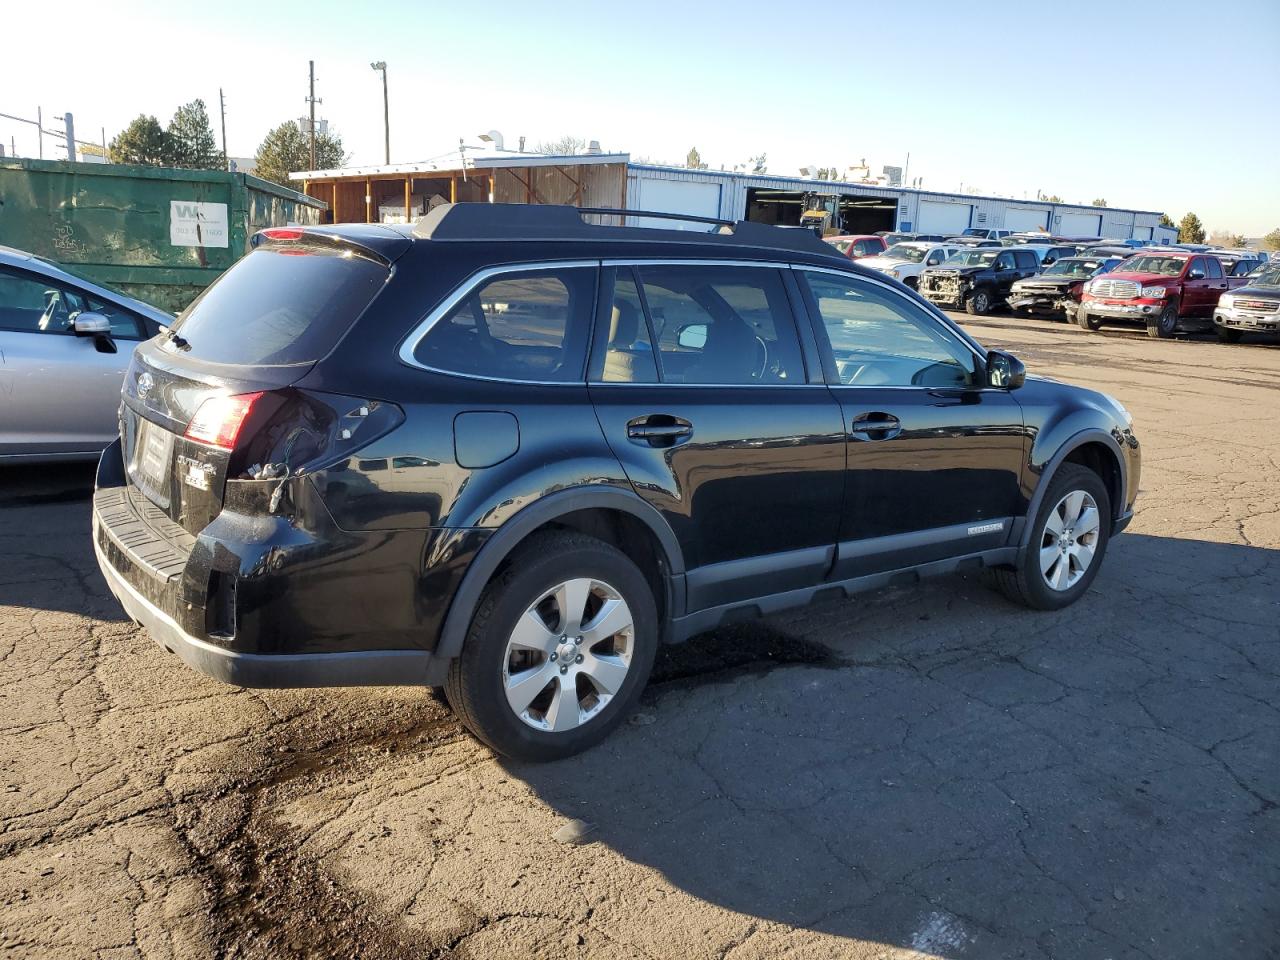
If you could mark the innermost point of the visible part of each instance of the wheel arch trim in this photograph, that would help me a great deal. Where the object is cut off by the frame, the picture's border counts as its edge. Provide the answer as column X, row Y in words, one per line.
column 513, row 532
column 1072, row 443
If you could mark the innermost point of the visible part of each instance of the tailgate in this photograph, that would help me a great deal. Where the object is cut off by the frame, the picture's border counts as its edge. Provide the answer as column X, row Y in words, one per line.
column 184, row 478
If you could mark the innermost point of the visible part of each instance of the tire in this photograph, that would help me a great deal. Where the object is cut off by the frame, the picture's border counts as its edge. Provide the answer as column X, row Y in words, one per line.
column 1163, row 327
column 912, row 282
column 1227, row 335
column 534, row 584
column 1027, row 583
column 1087, row 321
column 978, row 303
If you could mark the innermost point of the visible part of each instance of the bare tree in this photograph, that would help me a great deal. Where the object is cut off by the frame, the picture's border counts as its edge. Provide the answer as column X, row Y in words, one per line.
column 565, row 146
column 759, row 164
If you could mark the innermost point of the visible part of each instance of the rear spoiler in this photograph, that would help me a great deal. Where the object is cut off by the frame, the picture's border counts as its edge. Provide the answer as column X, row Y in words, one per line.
column 369, row 240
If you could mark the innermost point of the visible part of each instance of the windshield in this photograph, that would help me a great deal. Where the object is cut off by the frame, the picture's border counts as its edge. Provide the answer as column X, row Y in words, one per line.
column 971, row 258
column 974, row 232
column 1073, row 268
column 1164, row 266
column 1268, row 276
column 841, row 245
column 892, row 238
column 901, row 251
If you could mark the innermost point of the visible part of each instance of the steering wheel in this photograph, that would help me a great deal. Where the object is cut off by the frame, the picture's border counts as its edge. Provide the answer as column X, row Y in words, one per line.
column 764, row 358
column 55, row 316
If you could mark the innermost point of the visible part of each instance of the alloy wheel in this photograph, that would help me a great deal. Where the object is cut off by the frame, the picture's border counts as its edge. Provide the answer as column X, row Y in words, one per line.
column 568, row 655
column 1069, row 540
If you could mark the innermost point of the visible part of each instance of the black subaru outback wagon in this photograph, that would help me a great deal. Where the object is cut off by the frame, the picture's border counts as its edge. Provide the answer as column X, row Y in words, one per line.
column 509, row 452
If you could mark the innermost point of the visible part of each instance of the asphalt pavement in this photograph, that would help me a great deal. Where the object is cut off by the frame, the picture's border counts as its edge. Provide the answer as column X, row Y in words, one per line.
column 920, row 772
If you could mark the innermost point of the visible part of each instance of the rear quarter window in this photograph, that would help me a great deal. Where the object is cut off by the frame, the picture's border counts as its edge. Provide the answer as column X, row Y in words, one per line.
column 528, row 325
column 283, row 304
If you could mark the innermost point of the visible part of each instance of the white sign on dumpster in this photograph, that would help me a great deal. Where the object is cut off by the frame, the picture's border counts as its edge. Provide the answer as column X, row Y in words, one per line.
column 193, row 224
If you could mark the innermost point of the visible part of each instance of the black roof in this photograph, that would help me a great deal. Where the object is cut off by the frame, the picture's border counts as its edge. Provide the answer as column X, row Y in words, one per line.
column 495, row 222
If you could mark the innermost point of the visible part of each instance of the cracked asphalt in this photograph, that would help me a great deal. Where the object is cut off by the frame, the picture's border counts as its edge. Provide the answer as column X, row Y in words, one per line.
column 924, row 772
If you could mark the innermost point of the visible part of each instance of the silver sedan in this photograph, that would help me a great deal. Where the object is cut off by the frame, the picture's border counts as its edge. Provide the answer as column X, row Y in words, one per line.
column 65, row 343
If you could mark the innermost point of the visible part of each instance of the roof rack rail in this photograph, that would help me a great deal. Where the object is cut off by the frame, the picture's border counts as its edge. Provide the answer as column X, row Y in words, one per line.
column 655, row 215
column 463, row 222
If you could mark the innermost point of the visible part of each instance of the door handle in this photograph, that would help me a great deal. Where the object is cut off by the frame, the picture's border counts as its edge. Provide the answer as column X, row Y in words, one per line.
column 876, row 426
column 659, row 430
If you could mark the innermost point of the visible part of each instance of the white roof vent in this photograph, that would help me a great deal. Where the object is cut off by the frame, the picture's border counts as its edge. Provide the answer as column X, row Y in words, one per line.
column 593, row 148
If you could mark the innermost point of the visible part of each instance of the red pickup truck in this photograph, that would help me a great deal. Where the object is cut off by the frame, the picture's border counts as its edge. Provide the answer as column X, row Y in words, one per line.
column 1161, row 289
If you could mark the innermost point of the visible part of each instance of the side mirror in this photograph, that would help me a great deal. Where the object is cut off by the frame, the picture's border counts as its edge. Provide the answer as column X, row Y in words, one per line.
column 933, row 262
column 90, row 324
column 1005, row 371
column 1195, row 275
column 693, row 337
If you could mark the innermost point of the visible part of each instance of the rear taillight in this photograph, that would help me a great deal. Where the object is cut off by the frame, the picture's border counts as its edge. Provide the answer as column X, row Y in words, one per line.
column 219, row 419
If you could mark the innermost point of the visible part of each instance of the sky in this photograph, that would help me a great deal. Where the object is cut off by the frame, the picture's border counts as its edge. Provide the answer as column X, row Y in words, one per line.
column 1156, row 108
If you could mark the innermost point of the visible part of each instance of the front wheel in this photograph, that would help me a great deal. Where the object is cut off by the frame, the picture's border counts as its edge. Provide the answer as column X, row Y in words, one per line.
column 559, row 650
column 978, row 303
column 1069, row 537
column 1088, row 321
column 912, row 282
column 1227, row 335
column 1163, row 326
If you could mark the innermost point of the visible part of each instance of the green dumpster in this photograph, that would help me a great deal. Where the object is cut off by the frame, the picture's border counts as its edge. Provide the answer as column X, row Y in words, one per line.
column 157, row 233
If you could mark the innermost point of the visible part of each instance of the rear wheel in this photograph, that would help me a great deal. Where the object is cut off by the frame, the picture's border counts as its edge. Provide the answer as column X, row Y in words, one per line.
column 1163, row 326
column 559, row 650
column 1227, row 335
column 978, row 303
column 1069, row 536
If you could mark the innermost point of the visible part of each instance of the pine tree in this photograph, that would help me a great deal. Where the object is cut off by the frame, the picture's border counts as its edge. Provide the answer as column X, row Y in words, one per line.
column 286, row 150
column 191, row 141
column 143, row 141
column 1191, row 230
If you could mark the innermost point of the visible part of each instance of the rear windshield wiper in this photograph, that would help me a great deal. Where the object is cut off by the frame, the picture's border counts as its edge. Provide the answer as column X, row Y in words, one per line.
column 175, row 338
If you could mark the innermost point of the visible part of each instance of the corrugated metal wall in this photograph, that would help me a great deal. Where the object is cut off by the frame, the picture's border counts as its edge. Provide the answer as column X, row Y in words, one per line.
column 987, row 211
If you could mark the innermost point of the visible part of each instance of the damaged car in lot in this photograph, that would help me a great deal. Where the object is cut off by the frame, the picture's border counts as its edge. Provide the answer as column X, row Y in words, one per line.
column 1055, row 294
column 904, row 261
column 508, row 452
column 977, row 280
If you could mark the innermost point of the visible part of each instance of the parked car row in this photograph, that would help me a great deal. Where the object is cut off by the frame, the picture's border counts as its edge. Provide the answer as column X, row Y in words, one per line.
column 1165, row 288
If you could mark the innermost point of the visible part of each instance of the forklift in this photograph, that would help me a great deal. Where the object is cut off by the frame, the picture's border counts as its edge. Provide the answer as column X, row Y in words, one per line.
column 821, row 214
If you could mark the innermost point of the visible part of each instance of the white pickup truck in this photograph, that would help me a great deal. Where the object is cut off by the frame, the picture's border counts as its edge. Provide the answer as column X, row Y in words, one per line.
column 904, row 261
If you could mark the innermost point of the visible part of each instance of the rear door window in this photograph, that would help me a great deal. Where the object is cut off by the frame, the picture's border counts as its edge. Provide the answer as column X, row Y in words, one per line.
column 722, row 325
column 1026, row 259
column 1215, row 268
column 286, row 303
column 531, row 325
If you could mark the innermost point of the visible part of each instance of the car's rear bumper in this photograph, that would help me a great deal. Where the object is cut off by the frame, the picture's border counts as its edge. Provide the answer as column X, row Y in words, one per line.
column 263, row 601
column 347, row 669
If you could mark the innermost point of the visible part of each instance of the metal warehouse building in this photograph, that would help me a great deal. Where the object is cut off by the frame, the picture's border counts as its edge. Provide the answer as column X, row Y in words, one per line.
column 866, row 209
column 385, row 193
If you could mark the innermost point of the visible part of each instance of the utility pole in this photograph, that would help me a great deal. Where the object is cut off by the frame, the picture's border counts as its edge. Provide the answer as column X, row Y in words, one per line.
column 71, row 137
column 311, row 99
column 381, row 66
column 40, row 130
column 222, row 108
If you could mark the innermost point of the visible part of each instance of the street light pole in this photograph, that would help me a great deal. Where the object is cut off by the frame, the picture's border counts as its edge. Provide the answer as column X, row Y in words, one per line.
column 381, row 66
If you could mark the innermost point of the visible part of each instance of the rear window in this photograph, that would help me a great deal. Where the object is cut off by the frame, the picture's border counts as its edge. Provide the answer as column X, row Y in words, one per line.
column 280, row 305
